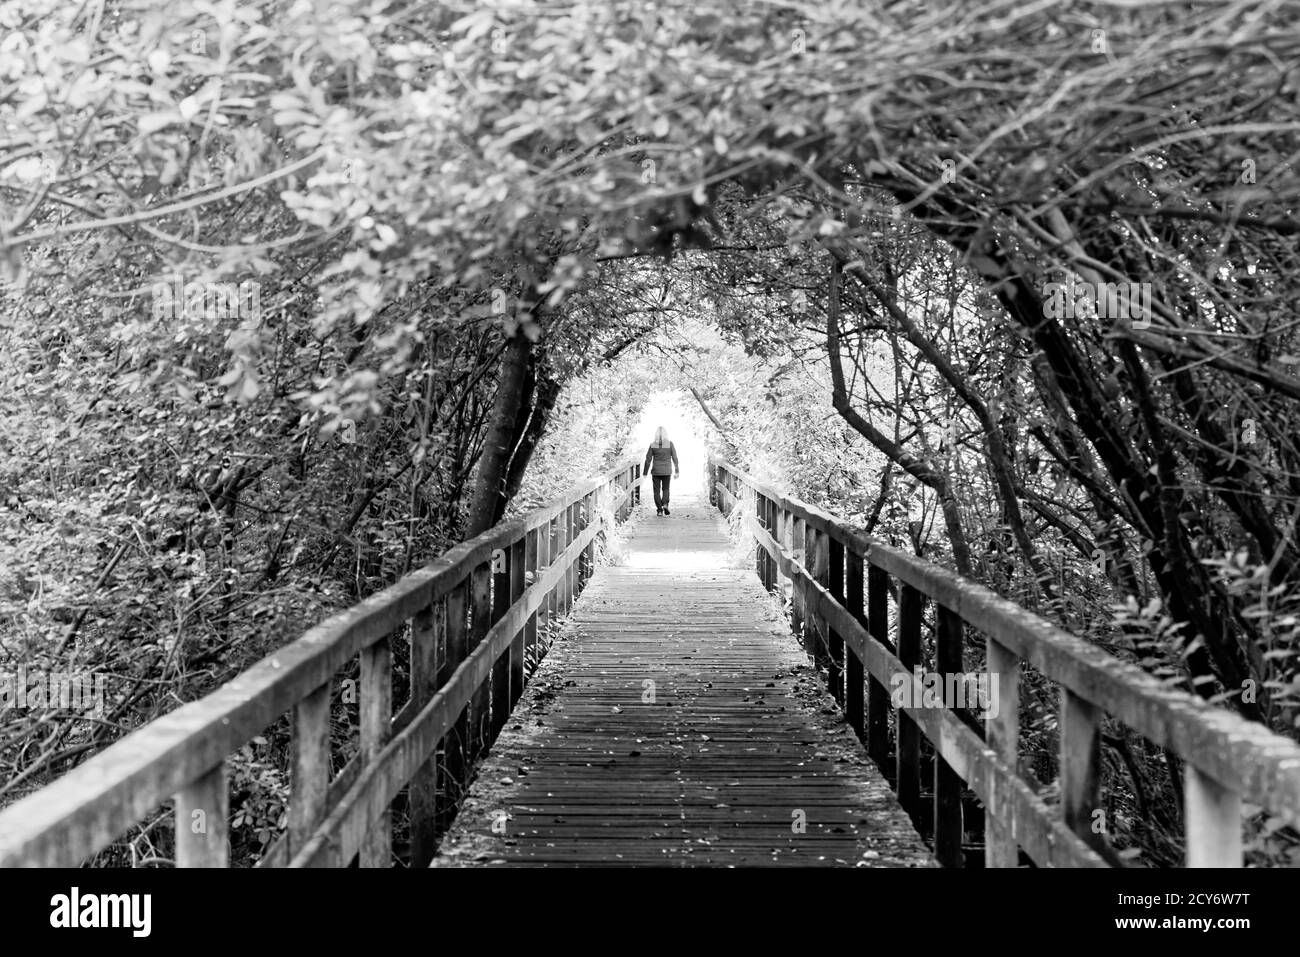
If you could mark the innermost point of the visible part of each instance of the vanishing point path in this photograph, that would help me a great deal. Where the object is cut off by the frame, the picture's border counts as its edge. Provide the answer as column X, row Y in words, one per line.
column 677, row 722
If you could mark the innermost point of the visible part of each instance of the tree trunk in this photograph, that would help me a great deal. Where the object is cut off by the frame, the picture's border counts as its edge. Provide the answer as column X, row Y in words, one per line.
column 512, row 396
column 546, row 393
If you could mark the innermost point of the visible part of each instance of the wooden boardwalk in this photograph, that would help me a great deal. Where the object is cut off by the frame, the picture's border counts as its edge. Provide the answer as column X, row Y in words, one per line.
column 678, row 723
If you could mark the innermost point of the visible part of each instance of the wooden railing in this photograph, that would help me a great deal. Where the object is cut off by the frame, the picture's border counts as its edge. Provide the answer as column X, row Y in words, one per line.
column 842, row 584
column 472, row 620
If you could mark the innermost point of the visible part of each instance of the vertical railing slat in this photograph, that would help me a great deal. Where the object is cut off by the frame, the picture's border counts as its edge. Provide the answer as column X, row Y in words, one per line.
column 908, row 745
column 311, row 766
column 555, row 601
column 877, row 693
column 1002, row 734
column 854, row 671
column 518, row 569
column 813, row 624
column 798, row 554
column 456, row 743
column 480, row 618
column 586, row 516
column 1081, row 768
column 534, row 559
column 835, row 643
column 428, row 633
column 1212, row 815
column 202, row 821
column 570, row 525
column 947, row 783
column 499, row 694
column 376, row 731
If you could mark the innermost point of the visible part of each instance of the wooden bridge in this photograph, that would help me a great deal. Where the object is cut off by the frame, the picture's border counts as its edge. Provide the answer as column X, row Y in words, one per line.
column 675, row 721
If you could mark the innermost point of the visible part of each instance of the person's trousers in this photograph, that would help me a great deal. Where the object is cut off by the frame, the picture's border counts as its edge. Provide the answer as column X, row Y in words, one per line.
column 661, row 490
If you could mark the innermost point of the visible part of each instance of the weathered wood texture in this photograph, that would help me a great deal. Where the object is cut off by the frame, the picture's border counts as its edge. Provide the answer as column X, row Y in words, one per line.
column 677, row 723
column 1229, row 759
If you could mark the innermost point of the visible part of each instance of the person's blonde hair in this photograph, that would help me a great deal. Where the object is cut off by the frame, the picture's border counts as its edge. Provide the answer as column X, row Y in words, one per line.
column 661, row 436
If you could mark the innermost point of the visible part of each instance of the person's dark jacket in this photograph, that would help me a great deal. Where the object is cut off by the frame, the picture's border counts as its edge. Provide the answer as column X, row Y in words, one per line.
column 664, row 458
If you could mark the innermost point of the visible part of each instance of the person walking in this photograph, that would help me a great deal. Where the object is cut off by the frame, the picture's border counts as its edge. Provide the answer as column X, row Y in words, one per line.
column 663, row 455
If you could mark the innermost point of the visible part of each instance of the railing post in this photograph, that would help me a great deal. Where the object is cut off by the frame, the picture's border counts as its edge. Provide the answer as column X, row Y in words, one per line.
column 798, row 554
column 202, row 821
column 877, row 694
column 480, row 619
column 1002, row 734
column 947, row 783
column 854, row 671
column 587, row 515
column 1081, row 768
column 570, row 526
column 518, row 568
column 311, row 766
column 760, row 553
column 555, row 547
column 814, row 624
column 428, row 632
column 911, row 606
column 1212, row 815
column 835, row 643
column 456, row 743
column 580, row 562
column 636, row 475
column 500, row 690
column 780, row 534
column 774, row 574
column 534, row 559
column 376, row 731
column 773, row 565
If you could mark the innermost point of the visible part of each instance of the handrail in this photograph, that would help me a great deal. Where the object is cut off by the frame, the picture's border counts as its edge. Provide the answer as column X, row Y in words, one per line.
column 473, row 613
column 840, row 580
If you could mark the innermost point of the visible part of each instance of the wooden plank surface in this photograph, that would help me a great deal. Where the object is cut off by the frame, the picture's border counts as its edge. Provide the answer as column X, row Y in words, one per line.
column 677, row 723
